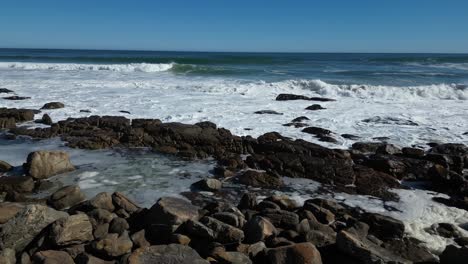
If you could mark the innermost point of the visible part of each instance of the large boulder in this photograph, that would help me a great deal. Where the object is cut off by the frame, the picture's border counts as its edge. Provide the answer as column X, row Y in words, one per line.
column 8, row 211
column 7, row 122
column 4, row 166
column 260, row 179
column 113, row 245
column 20, row 115
column 75, row 229
column 166, row 254
column 53, row 105
column 20, row 230
column 172, row 211
column 18, row 184
column 52, row 257
column 258, row 229
column 454, row 255
column 223, row 232
column 44, row 164
column 66, row 197
column 301, row 253
column 7, row 256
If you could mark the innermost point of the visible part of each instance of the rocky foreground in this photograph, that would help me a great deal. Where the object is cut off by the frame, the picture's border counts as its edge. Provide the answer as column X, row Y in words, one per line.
column 110, row 228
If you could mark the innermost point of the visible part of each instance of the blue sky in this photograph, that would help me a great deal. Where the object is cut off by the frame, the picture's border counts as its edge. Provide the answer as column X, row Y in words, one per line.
column 238, row 25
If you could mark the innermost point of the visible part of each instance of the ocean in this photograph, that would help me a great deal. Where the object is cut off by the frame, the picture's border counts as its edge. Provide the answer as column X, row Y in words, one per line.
column 407, row 99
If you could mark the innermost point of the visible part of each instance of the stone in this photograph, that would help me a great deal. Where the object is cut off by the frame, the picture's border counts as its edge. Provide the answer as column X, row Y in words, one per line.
column 75, row 250
column 288, row 97
column 19, row 115
column 20, row 230
column 232, row 258
column 180, row 239
column 172, row 211
column 166, row 254
column 384, row 227
column 229, row 218
column 5, row 90
column 388, row 149
column 248, row 201
column 102, row 201
column 454, row 255
column 53, row 105
column 74, row 229
column 222, row 232
column 18, row 184
column 199, row 230
column 9, row 210
column 113, row 245
column 267, row 205
column 84, row 258
column 16, row 98
column 281, row 218
column 258, row 229
column 209, row 185
column 315, row 107
column 66, row 197
column 323, row 215
column 269, row 112
column 300, row 119
column 46, row 120
column 284, row 202
column 7, row 256
column 120, row 201
column 118, row 225
column 52, row 257
column 139, row 239
column 301, row 253
column 5, row 166
column 413, row 152
column 44, row 164
column 260, row 179
column 7, row 122
column 318, row 131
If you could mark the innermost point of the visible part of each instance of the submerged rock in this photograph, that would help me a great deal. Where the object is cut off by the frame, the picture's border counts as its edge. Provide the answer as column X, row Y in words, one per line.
column 269, row 112
column 53, row 105
column 315, row 107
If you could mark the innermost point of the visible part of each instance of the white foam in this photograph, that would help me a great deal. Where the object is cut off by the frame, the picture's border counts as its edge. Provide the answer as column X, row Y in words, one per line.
column 132, row 67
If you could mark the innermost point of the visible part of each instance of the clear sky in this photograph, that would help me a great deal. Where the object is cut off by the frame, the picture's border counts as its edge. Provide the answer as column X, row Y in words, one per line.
column 238, row 25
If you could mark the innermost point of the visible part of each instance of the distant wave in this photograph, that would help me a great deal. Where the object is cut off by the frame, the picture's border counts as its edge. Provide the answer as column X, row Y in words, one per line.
column 457, row 66
column 132, row 67
column 435, row 91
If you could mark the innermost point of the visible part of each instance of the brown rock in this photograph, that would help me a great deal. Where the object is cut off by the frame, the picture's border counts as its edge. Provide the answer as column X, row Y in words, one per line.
column 301, row 253
column 53, row 105
column 75, row 229
column 19, row 184
column 44, row 164
column 52, row 257
column 172, row 211
column 66, row 197
column 166, row 254
column 260, row 179
column 9, row 210
column 113, row 245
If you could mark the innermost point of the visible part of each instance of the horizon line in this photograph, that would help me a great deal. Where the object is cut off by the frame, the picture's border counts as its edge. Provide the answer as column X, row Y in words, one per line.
column 201, row 51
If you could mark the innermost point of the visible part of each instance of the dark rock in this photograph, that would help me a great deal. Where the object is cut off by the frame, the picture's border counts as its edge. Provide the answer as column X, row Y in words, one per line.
column 198, row 230
column 411, row 249
column 288, row 97
column 258, row 229
column 74, row 229
column 19, row 184
column 139, row 239
column 46, row 120
column 284, row 202
column 331, row 205
column 102, row 201
column 85, row 111
column 52, row 257
column 248, row 201
column 349, row 136
column 20, row 115
column 384, row 227
column 372, row 182
column 124, row 112
column 295, row 124
column 230, row 218
column 66, row 197
column 260, row 179
column 172, row 211
column 118, row 225
column 20, row 230
column 5, row 90
column 366, row 147
column 413, row 152
column 301, row 253
column 388, row 149
column 269, row 112
column 7, row 122
column 166, row 254
column 5, row 166
column 300, row 119
column 209, row 184
column 121, row 202
column 323, row 215
column 315, row 107
column 390, row 121
column 318, row 131
column 223, row 233
column 281, row 218
column 267, row 205
column 53, row 105
column 84, row 258
column 232, row 258
column 16, row 98
column 9, row 210
column 44, row 164
column 444, row 230
column 454, row 255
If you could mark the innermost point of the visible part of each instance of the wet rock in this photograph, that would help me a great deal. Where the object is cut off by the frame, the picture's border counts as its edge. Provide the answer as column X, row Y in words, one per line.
column 199, row 230
column 223, row 232
column 390, row 121
column 269, row 112
column 20, row 230
column 5, row 166
column 20, row 115
column 295, row 124
column 46, row 120
column 100, row 216
column 232, row 258
column 7, row 122
column 315, row 107
column 124, row 112
column 444, row 230
column 53, row 105
column 118, row 225
column 102, row 201
column 331, row 205
column 413, row 152
column 350, row 136
column 120, row 201
column 384, row 227
column 372, row 182
column 248, row 201
column 74, row 229
column 113, row 245
column 366, row 147
column 16, row 98
column 52, row 257
column 7, row 256
column 172, row 211
column 260, row 179
column 90, row 259
column 209, row 184
column 281, row 218
column 18, row 184
column 301, row 253
column 267, row 205
column 411, row 249
column 230, row 218
column 258, row 229
column 283, row 201
column 318, row 131
column 323, row 215
column 85, row 111
column 388, row 149
column 66, row 197
column 5, row 90
column 300, row 119
column 75, row 250
column 166, row 254
column 44, row 164
column 454, row 255
column 288, row 97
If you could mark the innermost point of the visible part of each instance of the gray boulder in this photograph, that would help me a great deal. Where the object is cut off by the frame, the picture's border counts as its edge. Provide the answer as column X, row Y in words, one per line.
column 166, row 254
column 65, row 197
column 172, row 211
column 75, row 229
column 44, row 164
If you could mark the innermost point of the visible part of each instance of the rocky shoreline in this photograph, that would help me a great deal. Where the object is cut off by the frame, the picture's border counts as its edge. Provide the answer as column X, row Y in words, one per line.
column 110, row 228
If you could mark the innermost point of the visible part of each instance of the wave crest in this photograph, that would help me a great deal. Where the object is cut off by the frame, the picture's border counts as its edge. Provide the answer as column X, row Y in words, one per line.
column 132, row 67
column 434, row 91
